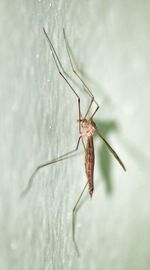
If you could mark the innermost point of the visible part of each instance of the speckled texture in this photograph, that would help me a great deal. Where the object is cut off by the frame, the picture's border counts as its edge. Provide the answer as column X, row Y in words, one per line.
column 38, row 113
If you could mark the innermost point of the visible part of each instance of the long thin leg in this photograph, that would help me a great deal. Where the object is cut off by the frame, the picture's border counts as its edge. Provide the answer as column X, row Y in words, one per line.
column 87, row 90
column 111, row 150
column 62, row 72
column 94, row 113
column 83, row 143
column 89, row 107
column 56, row 58
column 74, row 218
column 72, row 65
column 75, row 208
column 60, row 158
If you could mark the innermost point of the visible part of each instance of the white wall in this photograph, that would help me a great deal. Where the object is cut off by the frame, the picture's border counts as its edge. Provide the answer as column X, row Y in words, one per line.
column 38, row 114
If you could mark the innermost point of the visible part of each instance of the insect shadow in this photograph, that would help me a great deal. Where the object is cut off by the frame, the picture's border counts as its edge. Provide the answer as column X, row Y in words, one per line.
column 104, row 157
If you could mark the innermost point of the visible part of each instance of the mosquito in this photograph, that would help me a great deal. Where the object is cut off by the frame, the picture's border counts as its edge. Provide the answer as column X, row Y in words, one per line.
column 87, row 129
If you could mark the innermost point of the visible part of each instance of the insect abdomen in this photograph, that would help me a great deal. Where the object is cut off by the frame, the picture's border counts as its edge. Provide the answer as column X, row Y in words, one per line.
column 89, row 164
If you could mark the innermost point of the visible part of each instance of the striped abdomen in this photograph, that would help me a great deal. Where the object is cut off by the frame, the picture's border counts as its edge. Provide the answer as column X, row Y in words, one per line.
column 89, row 163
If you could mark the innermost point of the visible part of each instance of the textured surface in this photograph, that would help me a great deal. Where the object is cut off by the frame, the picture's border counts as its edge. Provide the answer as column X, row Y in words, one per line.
column 38, row 113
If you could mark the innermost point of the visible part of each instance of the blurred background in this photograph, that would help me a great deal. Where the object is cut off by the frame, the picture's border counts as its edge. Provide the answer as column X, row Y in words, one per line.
column 110, row 41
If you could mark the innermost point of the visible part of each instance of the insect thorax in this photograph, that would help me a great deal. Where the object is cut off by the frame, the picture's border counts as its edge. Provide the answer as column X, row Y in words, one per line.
column 88, row 128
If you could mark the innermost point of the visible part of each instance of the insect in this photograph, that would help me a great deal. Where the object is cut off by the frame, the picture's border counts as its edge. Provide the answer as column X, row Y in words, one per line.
column 87, row 129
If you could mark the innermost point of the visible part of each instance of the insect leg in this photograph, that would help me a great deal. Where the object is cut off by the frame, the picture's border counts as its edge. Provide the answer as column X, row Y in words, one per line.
column 60, row 158
column 89, row 107
column 75, row 70
column 94, row 112
column 111, row 150
column 74, row 211
column 74, row 218
column 83, row 143
column 62, row 72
